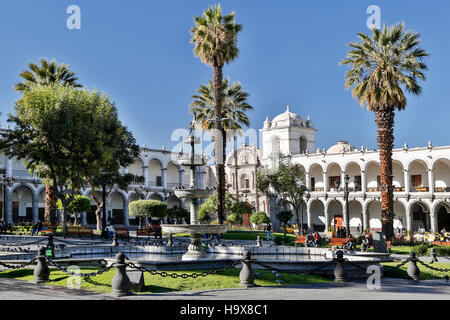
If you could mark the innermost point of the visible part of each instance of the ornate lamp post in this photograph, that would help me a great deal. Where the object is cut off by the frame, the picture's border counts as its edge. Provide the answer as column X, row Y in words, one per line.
column 104, row 181
column 346, row 190
column 5, row 182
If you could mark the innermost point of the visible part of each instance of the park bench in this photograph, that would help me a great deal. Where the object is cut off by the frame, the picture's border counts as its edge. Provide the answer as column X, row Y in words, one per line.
column 48, row 229
column 80, row 231
column 146, row 232
column 337, row 242
column 300, row 240
column 441, row 243
column 123, row 232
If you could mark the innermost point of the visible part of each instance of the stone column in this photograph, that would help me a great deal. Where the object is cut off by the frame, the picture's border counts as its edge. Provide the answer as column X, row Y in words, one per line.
column 164, row 177
column 431, row 180
column 363, row 182
column 180, row 177
column 365, row 222
column 342, row 182
column 34, row 206
column 406, row 179
column 126, row 214
column 308, row 181
column 408, row 220
column 433, row 223
column 309, row 217
column 8, row 203
column 325, row 182
column 327, row 218
column 145, row 174
column 84, row 218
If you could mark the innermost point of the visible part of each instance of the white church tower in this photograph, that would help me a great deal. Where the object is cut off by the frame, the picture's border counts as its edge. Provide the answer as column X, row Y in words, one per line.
column 287, row 133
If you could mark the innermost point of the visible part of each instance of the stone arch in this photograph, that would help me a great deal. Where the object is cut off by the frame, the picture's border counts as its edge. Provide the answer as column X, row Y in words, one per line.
column 441, row 169
column 372, row 171
column 356, row 209
column 20, row 200
column 353, row 169
column 419, row 212
column 441, row 212
column 316, row 211
column 155, row 196
column 334, row 173
column 398, row 179
column 418, row 174
column 316, row 171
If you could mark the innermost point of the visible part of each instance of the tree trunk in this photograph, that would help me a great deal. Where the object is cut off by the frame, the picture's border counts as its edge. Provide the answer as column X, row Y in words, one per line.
column 220, row 169
column 98, row 216
column 50, row 205
column 385, row 138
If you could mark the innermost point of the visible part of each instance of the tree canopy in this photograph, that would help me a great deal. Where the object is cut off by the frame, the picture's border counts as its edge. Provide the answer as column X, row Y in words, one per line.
column 148, row 209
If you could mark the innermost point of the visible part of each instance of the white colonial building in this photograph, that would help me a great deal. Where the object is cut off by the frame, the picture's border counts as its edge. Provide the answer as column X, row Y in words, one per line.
column 421, row 179
column 25, row 195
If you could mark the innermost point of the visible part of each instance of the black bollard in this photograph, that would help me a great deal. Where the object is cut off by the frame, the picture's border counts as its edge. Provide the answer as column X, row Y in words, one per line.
column 41, row 271
column 120, row 282
column 433, row 255
column 413, row 269
column 247, row 276
column 340, row 275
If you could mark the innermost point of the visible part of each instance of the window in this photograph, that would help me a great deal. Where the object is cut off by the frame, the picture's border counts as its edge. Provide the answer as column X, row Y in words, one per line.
column 303, row 145
column 313, row 184
column 158, row 181
column 358, row 183
column 416, row 181
column 333, row 180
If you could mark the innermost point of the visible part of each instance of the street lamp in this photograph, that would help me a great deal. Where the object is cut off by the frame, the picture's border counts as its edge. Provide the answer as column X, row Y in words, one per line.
column 346, row 190
column 5, row 182
column 104, row 181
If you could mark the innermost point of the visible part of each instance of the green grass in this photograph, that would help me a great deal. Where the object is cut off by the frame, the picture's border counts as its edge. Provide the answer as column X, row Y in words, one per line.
column 425, row 273
column 158, row 284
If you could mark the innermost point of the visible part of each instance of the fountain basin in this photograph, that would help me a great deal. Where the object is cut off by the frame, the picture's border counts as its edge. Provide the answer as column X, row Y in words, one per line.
column 195, row 228
column 193, row 193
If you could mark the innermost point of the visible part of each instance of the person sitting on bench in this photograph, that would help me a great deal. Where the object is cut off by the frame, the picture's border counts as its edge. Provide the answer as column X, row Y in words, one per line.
column 350, row 243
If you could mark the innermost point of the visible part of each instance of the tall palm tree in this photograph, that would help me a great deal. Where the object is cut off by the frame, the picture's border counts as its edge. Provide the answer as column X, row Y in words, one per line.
column 380, row 66
column 45, row 74
column 234, row 108
column 214, row 37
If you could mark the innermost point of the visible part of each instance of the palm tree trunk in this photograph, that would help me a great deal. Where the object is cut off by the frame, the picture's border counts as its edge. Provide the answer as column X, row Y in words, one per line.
column 220, row 169
column 385, row 138
column 50, row 205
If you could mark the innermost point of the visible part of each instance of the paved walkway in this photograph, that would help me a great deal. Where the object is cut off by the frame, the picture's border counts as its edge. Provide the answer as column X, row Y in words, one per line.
column 391, row 289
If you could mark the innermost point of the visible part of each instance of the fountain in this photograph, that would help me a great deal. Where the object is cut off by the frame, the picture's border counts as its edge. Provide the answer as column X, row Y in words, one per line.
column 193, row 193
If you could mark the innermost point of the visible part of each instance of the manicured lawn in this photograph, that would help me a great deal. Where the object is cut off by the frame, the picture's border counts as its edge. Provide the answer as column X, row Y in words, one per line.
column 425, row 273
column 158, row 284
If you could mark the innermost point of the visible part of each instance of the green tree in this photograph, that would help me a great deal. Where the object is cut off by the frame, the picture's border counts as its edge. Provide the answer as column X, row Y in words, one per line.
column 380, row 66
column 203, row 216
column 45, row 74
column 178, row 213
column 210, row 205
column 215, row 41
column 287, row 182
column 148, row 209
column 234, row 219
column 284, row 217
column 234, row 108
column 60, row 132
column 259, row 218
column 78, row 205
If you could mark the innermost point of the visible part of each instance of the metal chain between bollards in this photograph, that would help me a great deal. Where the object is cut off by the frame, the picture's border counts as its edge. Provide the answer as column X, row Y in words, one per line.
column 293, row 271
column 9, row 266
column 183, row 275
column 433, row 268
column 83, row 275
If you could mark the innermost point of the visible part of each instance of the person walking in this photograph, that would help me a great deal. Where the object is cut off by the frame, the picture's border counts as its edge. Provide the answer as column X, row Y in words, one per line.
column 36, row 228
column 269, row 232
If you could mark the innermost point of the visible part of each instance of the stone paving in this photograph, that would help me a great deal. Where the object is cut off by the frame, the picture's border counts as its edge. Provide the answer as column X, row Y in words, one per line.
column 391, row 289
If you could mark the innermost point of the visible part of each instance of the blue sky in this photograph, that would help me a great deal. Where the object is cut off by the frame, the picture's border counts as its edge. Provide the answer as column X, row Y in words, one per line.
column 139, row 53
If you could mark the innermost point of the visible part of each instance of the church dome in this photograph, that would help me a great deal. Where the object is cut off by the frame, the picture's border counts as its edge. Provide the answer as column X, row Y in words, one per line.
column 341, row 146
column 287, row 118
